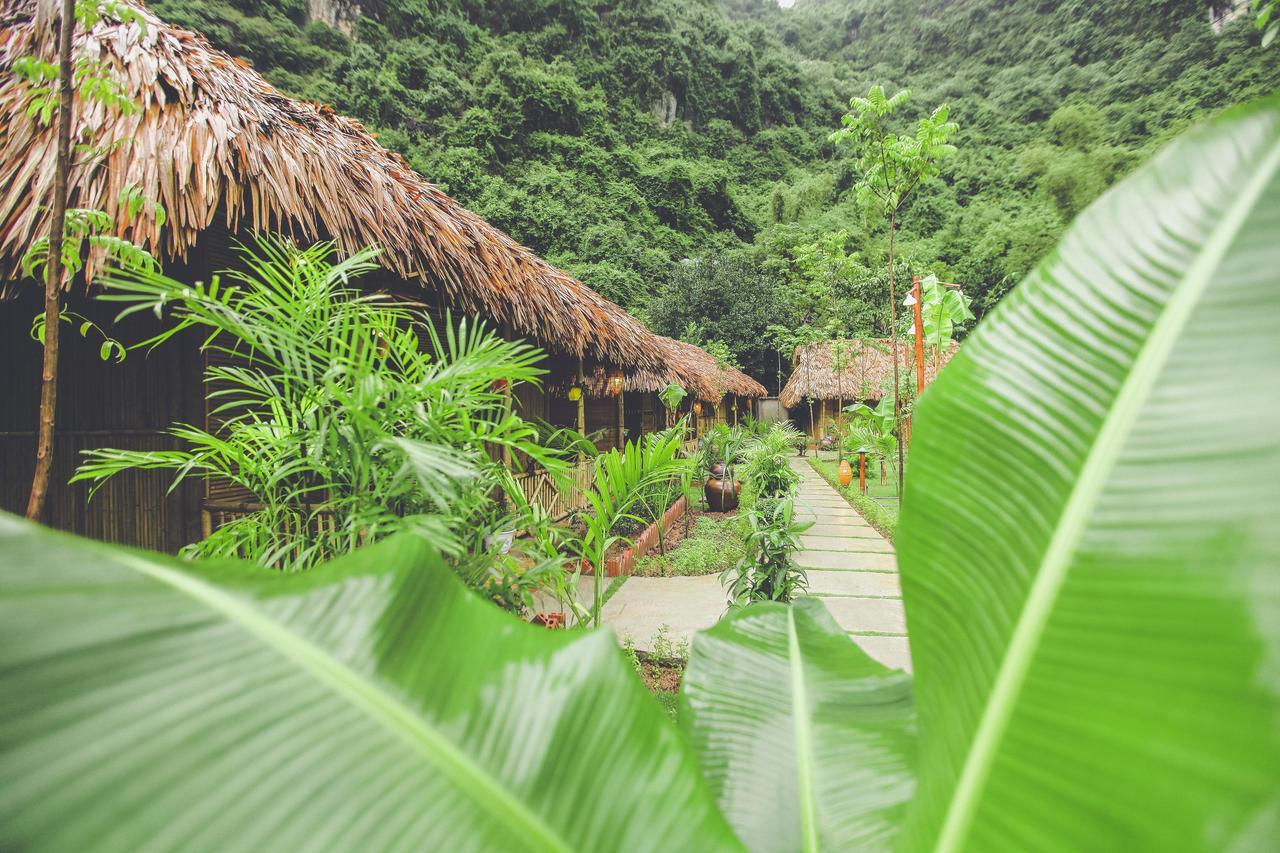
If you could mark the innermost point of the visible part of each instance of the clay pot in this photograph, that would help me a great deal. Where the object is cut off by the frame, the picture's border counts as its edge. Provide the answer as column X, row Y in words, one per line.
column 846, row 472
column 721, row 494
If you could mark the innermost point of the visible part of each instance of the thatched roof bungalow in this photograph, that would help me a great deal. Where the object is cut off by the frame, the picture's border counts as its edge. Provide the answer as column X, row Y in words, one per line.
column 866, row 375
column 228, row 156
column 723, row 391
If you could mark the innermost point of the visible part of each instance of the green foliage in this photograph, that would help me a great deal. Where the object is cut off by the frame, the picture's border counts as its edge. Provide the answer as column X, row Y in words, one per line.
column 627, row 487
column 711, row 546
column 1268, row 20
column 768, row 571
column 328, row 411
column 125, row 671
column 1058, row 539
column 890, row 166
column 766, row 470
column 722, row 444
column 671, row 397
column 722, row 300
column 943, row 312
column 807, row 743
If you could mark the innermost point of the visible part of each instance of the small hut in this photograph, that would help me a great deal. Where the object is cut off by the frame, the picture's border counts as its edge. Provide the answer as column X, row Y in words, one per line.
column 227, row 156
column 865, row 376
column 630, row 401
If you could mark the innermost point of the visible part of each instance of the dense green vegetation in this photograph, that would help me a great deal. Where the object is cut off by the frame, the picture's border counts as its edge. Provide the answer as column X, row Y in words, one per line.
column 619, row 137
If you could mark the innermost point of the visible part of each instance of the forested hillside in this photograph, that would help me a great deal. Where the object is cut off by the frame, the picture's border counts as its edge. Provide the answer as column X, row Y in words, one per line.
column 619, row 138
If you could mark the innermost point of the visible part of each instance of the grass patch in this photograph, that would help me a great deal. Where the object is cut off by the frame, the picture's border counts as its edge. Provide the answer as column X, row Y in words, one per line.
column 713, row 544
column 883, row 517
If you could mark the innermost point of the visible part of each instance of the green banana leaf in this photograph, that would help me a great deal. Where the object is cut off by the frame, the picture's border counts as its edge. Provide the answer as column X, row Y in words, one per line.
column 806, row 741
column 1089, row 546
column 370, row 704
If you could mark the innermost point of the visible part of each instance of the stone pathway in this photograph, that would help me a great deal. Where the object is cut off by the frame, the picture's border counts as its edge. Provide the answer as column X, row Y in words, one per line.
column 850, row 566
column 853, row 569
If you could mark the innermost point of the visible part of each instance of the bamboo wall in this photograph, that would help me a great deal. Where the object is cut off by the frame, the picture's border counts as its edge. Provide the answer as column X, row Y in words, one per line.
column 126, row 405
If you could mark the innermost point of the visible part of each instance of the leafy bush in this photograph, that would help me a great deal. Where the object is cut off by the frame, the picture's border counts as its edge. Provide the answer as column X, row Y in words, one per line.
column 766, row 470
column 330, row 414
column 768, row 572
column 712, row 545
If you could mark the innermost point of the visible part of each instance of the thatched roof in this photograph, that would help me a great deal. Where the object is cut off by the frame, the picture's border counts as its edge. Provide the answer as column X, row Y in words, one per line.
column 213, row 135
column 866, row 375
column 683, row 364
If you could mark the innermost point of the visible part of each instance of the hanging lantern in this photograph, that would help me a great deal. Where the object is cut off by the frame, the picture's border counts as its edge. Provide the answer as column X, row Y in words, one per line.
column 615, row 382
column 575, row 393
column 697, row 408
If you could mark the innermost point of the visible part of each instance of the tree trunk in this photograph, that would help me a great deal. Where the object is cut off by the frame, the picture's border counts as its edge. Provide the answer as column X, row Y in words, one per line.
column 54, row 271
column 893, row 346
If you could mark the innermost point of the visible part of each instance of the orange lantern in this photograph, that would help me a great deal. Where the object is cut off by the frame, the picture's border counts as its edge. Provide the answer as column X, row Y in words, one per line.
column 615, row 382
column 697, row 408
column 846, row 473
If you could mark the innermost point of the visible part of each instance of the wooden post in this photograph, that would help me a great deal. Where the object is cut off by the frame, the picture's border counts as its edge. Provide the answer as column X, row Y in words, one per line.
column 622, row 420
column 862, row 471
column 915, row 293
column 582, row 401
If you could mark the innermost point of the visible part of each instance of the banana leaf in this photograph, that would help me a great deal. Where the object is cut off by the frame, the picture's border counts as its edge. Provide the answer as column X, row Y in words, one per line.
column 372, row 703
column 1089, row 548
column 806, row 741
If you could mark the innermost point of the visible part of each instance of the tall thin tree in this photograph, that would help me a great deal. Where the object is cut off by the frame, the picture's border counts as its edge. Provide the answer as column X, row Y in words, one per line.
column 890, row 168
column 54, row 269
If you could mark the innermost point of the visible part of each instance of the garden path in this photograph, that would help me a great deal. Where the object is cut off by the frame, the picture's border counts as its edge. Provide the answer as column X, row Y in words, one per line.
column 850, row 566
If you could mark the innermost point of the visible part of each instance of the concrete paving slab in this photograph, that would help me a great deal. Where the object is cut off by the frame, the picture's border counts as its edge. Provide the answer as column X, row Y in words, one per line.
column 643, row 605
column 823, row 583
column 844, row 529
column 875, row 615
column 819, row 542
column 846, row 560
column 893, row 652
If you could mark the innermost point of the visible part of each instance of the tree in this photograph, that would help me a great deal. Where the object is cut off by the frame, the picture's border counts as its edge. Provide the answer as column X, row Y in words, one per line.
column 50, row 93
column 725, row 296
column 890, row 169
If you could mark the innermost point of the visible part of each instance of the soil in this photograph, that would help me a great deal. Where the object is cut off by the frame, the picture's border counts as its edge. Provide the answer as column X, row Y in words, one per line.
column 661, row 675
column 675, row 535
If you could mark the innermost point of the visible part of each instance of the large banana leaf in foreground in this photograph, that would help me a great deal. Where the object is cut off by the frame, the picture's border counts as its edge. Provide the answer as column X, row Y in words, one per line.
column 1089, row 546
column 370, row 704
column 807, row 742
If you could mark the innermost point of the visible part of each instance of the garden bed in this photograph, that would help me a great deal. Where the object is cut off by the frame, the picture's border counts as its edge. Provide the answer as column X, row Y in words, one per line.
column 713, row 542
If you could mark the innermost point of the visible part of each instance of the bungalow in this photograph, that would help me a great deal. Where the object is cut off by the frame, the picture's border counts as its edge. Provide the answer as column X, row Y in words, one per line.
column 227, row 156
column 816, row 391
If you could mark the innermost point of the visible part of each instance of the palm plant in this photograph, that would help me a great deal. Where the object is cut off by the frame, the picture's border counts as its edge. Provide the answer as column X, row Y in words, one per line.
column 766, row 466
column 624, row 484
column 329, row 412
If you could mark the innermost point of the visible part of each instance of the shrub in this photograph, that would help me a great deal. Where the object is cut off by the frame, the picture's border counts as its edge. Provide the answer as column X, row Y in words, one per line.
column 768, row 572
